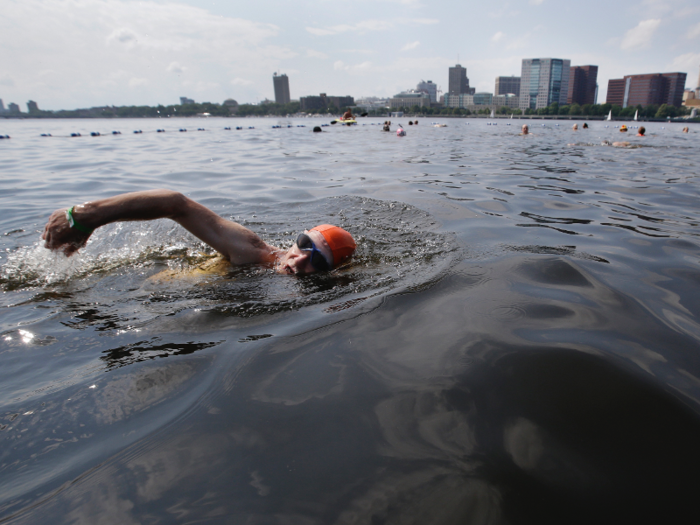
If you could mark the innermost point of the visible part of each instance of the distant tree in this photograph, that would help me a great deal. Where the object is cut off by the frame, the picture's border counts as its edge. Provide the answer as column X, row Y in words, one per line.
column 575, row 109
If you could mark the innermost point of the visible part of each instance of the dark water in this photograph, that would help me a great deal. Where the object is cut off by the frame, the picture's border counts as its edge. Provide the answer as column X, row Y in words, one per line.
column 515, row 342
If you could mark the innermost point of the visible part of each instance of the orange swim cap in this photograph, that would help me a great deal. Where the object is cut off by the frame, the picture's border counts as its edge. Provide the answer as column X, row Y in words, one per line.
column 341, row 242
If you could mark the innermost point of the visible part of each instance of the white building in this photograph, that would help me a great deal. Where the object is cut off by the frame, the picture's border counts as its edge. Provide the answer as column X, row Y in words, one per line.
column 429, row 88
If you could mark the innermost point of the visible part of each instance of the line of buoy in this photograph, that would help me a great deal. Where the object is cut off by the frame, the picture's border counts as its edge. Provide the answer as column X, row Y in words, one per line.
column 4, row 136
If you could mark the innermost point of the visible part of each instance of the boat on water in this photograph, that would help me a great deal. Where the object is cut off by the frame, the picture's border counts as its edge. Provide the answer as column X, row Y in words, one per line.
column 492, row 114
column 609, row 115
column 636, row 114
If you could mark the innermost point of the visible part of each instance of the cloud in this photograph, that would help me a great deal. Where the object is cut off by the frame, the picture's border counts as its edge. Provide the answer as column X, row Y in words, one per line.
column 497, row 37
column 410, row 46
column 687, row 62
column 123, row 35
column 339, row 65
column 311, row 53
column 138, row 82
column 5, row 80
column 174, row 67
column 640, row 37
column 366, row 26
column 536, row 2
column 694, row 31
column 86, row 41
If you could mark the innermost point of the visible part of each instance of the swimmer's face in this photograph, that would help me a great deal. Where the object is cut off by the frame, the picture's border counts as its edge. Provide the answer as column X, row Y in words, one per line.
column 525, row 129
column 298, row 262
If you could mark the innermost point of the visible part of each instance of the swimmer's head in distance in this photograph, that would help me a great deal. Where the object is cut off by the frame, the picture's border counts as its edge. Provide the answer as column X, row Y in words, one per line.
column 341, row 243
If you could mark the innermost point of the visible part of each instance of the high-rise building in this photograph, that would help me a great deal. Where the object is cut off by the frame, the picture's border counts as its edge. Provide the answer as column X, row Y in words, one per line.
column 2, row 107
column 32, row 107
column 506, row 85
column 459, row 83
column 652, row 88
column 429, row 88
column 281, row 83
column 185, row 100
column 12, row 108
column 543, row 81
column 582, row 85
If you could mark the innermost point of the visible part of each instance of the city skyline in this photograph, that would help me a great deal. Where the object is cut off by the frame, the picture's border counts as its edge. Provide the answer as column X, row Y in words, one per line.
column 82, row 53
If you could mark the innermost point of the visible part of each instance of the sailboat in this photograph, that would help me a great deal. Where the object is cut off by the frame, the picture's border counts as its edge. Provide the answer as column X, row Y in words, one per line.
column 492, row 114
column 609, row 115
column 636, row 114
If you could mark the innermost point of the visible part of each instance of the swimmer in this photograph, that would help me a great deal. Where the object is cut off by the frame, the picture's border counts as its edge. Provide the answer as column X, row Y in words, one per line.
column 575, row 127
column 525, row 130
column 320, row 249
column 348, row 115
column 387, row 126
column 585, row 125
column 623, row 129
column 642, row 131
column 615, row 144
column 685, row 129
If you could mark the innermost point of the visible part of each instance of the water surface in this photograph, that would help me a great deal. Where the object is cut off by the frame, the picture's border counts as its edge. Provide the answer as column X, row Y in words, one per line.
column 516, row 340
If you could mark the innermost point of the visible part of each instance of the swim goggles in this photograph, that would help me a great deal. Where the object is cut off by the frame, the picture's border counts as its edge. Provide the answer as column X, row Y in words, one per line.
column 318, row 261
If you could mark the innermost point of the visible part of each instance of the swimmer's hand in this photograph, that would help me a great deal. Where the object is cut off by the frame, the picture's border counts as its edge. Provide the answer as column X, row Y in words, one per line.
column 59, row 235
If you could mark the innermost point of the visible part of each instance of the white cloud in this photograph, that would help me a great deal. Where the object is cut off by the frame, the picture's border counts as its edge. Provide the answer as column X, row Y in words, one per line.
column 688, row 63
column 138, row 82
column 694, row 31
column 411, row 45
column 86, row 42
column 175, row 67
column 369, row 25
column 497, row 37
column 640, row 37
column 5, row 80
column 311, row 53
column 339, row 65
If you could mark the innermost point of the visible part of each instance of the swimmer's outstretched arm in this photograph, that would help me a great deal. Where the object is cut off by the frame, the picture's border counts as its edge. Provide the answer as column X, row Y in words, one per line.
column 235, row 242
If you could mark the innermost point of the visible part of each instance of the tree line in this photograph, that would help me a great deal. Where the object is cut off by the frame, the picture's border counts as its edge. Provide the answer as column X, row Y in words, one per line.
column 585, row 110
column 273, row 109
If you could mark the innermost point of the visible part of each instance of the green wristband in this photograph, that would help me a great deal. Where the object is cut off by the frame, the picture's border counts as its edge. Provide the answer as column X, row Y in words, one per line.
column 75, row 224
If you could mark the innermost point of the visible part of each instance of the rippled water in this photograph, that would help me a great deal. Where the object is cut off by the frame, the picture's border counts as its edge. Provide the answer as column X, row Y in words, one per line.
column 516, row 340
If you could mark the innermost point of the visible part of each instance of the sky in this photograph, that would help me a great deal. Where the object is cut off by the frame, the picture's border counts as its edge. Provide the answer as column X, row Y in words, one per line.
column 67, row 54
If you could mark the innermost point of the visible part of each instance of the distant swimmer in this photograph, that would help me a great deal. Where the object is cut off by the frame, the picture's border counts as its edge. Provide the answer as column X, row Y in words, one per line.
column 415, row 123
column 525, row 130
column 320, row 249
column 642, row 131
column 585, row 125
column 387, row 126
column 575, row 127
column 623, row 129
column 685, row 129
column 617, row 144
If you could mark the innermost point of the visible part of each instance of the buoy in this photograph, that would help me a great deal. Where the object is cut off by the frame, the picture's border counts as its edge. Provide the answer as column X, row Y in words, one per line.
column 75, row 134
column 46, row 134
column 400, row 133
column 239, row 127
column 160, row 130
column 182, row 130
column 251, row 127
column 138, row 131
column 95, row 134
column 227, row 129
column 116, row 132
